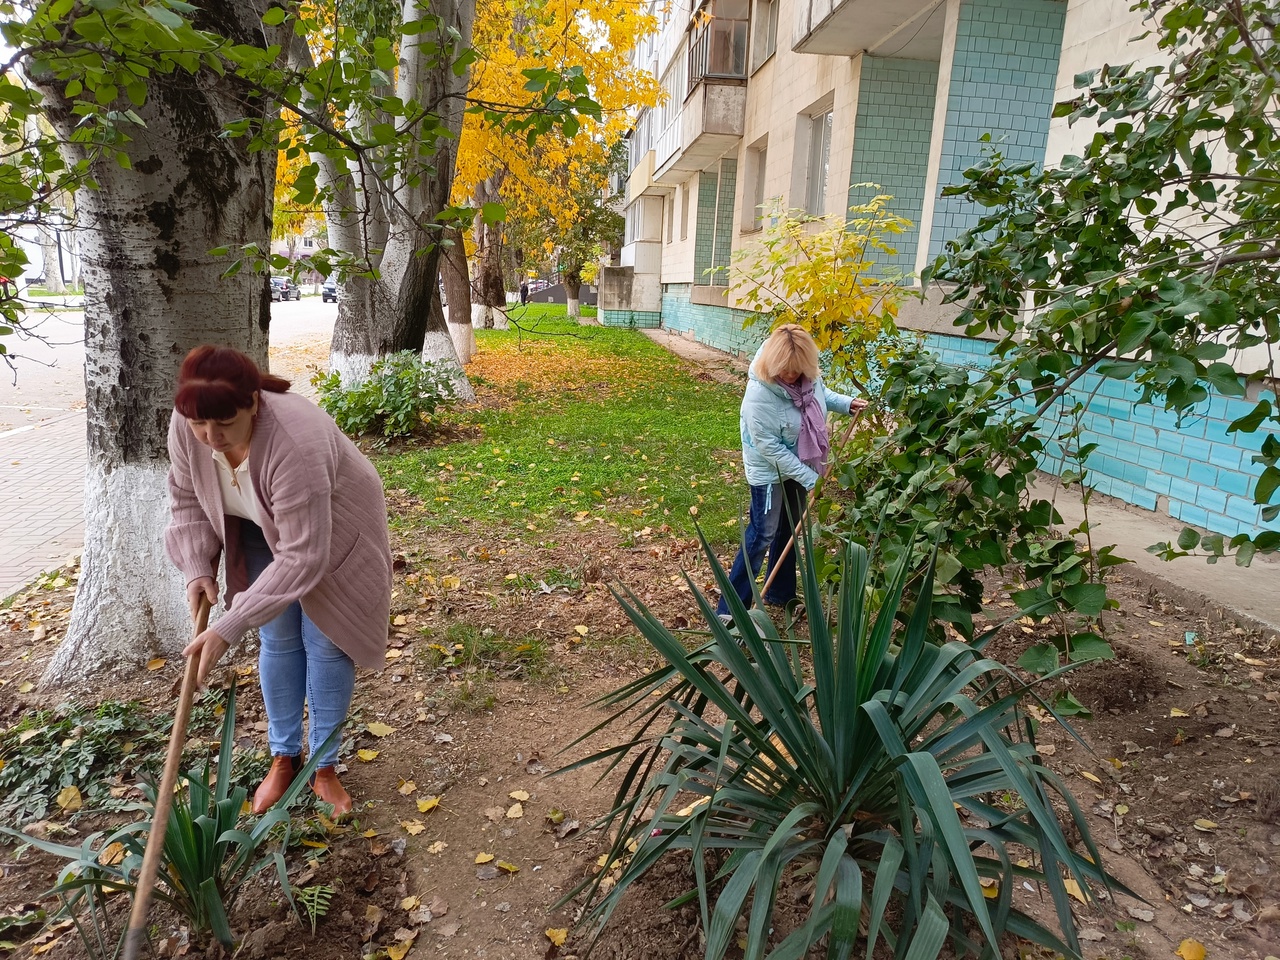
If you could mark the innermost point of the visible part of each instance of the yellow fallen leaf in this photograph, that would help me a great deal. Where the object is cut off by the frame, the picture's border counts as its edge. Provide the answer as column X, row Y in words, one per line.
column 406, row 787
column 515, row 812
column 111, row 854
column 484, row 858
column 367, row 755
column 380, row 729
column 410, row 903
column 437, row 847
column 26, row 686
column 450, row 582
column 394, row 654
column 400, row 620
column 370, row 833
column 1205, row 825
column 315, row 844
column 1122, row 809
column 581, row 630
column 157, row 663
column 990, row 887
column 1190, row 950
column 413, row 827
column 520, row 795
column 427, row 804
column 557, row 935
column 1090, row 776
column 397, row 951
column 1175, row 712
column 507, row 867
column 1073, row 888
column 45, row 947
column 69, row 799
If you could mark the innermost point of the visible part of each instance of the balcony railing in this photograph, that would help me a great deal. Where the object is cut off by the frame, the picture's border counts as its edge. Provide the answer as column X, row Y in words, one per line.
column 718, row 45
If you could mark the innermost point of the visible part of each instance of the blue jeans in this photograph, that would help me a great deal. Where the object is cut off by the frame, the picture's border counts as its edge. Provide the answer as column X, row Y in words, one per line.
column 297, row 665
column 775, row 510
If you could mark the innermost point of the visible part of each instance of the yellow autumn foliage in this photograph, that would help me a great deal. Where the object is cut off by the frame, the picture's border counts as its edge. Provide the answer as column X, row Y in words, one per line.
column 512, row 36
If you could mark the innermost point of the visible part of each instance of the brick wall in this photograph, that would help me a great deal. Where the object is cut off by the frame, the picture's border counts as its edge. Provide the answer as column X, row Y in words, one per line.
column 1002, row 83
column 714, row 224
column 723, row 246
column 704, row 226
column 1195, row 470
column 719, row 327
column 891, row 144
column 630, row 318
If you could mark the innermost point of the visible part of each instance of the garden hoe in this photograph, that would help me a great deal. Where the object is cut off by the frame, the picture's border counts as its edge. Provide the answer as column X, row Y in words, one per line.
column 137, row 933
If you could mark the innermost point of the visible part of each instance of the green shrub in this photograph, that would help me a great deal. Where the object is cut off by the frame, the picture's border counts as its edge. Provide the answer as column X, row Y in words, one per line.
column 401, row 391
column 880, row 767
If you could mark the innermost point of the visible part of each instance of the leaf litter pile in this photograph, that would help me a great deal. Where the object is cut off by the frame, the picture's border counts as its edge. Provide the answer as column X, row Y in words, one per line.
column 501, row 638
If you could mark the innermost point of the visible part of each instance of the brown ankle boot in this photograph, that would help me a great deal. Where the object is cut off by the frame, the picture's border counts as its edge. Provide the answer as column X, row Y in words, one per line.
column 327, row 787
column 275, row 783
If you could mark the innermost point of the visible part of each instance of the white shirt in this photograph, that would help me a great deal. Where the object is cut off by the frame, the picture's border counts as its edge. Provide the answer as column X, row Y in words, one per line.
column 238, row 496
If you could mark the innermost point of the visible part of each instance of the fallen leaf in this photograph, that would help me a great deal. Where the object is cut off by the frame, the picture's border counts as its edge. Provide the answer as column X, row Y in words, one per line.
column 1190, row 950
column 69, row 799
column 450, row 582
column 1176, row 712
column 515, row 812
column 111, row 854
column 1092, row 934
column 367, row 755
column 438, row 906
column 1093, row 777
column 394, row 654
column 437, row 847
column 406, row 787
column 427, row 804
column 1122, row 809
column 487, row 872
column 26, row 686
column 400, row 620
column 1205, row 825
column 380, row 729
column 581, row 630
column 484, row 858
column 1046, row 749
column 45, row 947
column 397, row 951
column 1143, row 914
column 520, row 795
column 447, row 930
column 1073, row 888
column 410, row 903
column 506, row 867
column 413, row 827
column 157, row 663
column 494, row 814
column 555, row 815
column 557, row 935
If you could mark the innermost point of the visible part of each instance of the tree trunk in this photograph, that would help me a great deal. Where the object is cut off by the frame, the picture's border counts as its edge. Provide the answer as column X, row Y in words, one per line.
column 457, row 290
column 152, row 293
column 50, row 261
column 572, row 281
column 489, row 311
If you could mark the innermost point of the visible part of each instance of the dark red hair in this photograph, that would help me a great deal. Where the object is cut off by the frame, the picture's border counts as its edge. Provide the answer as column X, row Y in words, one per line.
column 215, row 383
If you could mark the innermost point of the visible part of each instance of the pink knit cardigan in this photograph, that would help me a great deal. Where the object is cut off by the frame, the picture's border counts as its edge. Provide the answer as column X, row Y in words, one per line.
column 324, row 517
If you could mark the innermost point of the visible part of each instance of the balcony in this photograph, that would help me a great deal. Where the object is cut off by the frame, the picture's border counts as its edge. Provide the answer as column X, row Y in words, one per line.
column 641, row 182
column 910, row 29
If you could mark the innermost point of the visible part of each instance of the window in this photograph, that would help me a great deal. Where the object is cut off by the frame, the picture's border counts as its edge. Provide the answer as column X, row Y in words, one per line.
column 308, row 242
column 765, row 41
column 752, row 216
column 718, row 44
column 815, row 197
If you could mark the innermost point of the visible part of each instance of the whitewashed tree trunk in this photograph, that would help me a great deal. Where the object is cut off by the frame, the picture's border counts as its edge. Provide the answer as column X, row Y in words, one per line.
column 49, row 260
column 485, row 317
column 152, row 293
column 457, row 288
column 574, row 307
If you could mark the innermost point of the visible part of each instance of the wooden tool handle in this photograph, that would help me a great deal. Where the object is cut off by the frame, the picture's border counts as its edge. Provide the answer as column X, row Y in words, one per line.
column 137, row 933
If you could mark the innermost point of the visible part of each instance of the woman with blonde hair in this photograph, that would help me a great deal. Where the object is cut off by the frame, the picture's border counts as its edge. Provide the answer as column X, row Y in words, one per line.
column 784, row 451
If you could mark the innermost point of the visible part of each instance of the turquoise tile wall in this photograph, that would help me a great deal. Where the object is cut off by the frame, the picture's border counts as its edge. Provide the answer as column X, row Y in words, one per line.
column 1144, row 453
column 630, row 318
column 1002, row 83
column 723, row 246
column 719, row 327
column 704, row 226
column 891, row 145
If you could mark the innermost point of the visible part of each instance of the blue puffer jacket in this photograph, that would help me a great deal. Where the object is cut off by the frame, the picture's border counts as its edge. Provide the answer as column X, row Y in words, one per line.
column 771, row 430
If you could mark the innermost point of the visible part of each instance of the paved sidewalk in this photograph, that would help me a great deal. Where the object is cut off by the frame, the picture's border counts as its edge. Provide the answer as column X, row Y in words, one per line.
column 41, row 497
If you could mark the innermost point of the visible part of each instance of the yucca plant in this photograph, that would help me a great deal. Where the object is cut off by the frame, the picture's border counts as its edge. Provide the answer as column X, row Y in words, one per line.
column 206, row 860
column 896, row 776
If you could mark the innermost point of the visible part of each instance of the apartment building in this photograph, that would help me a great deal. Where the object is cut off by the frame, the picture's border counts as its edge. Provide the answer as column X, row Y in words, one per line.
column 799, row 101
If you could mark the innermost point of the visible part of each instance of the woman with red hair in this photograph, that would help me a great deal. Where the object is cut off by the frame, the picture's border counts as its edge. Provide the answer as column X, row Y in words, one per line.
column 265, row 479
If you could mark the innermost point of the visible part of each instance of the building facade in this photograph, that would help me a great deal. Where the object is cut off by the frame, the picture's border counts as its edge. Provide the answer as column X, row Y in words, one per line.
column 796, row 103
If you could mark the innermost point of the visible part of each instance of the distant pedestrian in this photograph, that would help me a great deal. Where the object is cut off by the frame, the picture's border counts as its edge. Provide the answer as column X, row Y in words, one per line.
column 524, row 292
column 784, row 452
column 265, row 478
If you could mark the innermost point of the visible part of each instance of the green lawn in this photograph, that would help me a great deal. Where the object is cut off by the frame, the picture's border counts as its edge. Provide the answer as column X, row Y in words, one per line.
column 585, row 425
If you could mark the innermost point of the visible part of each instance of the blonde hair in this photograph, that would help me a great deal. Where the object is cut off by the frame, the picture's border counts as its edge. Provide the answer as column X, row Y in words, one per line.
column 788, row 351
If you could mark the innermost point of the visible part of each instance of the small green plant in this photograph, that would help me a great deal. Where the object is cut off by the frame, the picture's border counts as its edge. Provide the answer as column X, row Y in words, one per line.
column 19, row 924
column 863, row 768
column 314, row 901
column 400, row 392
column 206, row 857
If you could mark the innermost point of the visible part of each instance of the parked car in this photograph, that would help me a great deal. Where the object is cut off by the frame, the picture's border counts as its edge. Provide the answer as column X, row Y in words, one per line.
column 282, row 288
column 329, row 291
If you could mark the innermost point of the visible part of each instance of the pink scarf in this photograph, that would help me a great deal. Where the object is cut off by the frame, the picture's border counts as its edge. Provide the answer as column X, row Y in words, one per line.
column 814, row 444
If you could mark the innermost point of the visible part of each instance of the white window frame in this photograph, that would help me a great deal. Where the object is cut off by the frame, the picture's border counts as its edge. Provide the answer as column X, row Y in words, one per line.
column 764, row 26
column 818, row 162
